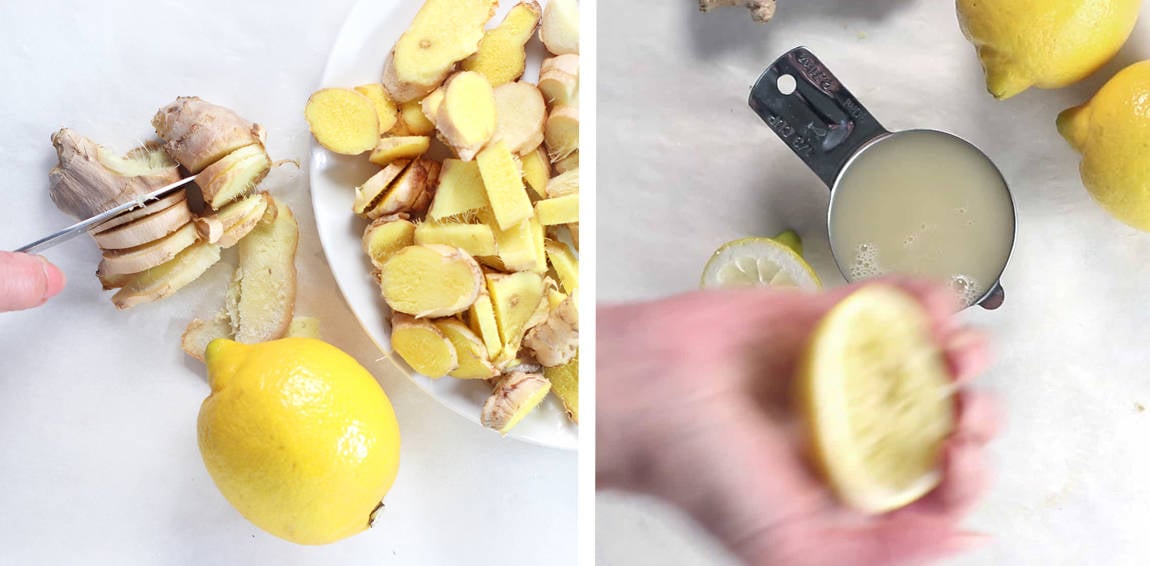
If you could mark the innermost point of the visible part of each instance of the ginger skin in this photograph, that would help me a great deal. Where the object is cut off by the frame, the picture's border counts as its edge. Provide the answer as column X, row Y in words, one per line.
column 761, row 10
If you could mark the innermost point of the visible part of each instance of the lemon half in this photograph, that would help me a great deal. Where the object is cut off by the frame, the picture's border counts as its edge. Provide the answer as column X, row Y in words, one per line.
column 760, row 262
column 876, row 396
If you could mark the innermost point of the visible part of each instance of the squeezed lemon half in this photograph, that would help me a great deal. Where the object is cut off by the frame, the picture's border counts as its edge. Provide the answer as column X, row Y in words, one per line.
column 760, row 262
column 876, row 395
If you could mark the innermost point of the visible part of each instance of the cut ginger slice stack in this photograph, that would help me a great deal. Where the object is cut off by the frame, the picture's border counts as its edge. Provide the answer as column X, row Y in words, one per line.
column 475, row 253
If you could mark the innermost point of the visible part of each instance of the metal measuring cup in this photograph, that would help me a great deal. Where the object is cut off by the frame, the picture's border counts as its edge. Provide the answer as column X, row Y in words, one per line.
column 827, row 127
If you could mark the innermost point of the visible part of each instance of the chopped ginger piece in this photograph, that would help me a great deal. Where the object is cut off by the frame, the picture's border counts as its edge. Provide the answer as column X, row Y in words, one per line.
column 558, row 210
column 475, row 239
column 343, row 120
column 503, row 183
column 421, row 344
column 561, row 132
column 443, row 33
column 384, row 107
column 430, row 281
column 565, row 385
column 502, row 56
column 466, row 118
column 385, row 236
column 537, row 171
column 515, row 396
column 411, row 114
column 559, row 80
column 460, row 190
column 516, row 298
column 519, row 117
column 565, row 263
column 399, row 147
column 469, row 349
column 481, row 317
column 559, row 29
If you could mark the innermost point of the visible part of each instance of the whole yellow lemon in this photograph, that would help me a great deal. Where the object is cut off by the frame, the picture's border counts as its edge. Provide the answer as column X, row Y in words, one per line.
column 1112, row 132
column 298, row 437
column 1044, row 43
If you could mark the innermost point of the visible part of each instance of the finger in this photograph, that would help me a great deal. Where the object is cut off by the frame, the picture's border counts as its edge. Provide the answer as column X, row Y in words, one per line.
column 979, row 417
column 27, row 281
column 967, row 352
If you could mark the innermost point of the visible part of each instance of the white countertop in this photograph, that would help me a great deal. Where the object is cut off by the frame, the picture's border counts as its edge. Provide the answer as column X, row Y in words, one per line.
column 686, row 166
column 98, row 457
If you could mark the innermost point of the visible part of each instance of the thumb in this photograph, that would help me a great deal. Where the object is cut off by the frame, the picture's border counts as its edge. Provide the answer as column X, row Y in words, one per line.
column 27, row 281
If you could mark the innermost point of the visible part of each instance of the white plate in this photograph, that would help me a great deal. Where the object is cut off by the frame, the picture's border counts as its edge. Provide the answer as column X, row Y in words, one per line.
column 356, row 58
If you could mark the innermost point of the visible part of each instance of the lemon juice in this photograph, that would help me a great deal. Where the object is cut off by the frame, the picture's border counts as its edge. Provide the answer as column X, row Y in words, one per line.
column 923, row 203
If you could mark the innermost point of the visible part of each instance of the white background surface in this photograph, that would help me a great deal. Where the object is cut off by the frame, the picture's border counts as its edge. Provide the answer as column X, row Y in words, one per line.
column 98, row 457
column 687, row 166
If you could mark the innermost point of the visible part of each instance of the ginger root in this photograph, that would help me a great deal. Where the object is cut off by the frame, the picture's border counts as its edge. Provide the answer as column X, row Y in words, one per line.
column 515, row 395
column 198, row 133
column 761, row 10
column 536, row 171
column 371, row 192
column 516, row 298
column 561, row 132
column 423, row 346
column 502, row 55
column 481, row 318
column 558, row 210
column 559, row 80
column 90, row 179
column 399, row 147
column 443, row 33
column 565, row 263
column 231, row 223
column 149, row 255
column 430, row 281
column 410, row 193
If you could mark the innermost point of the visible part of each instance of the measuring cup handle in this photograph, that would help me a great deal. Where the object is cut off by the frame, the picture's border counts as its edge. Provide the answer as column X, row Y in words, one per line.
column 821, row 121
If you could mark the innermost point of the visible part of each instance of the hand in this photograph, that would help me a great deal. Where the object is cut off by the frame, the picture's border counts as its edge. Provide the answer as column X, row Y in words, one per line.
column 27, row 281
column 693, row 407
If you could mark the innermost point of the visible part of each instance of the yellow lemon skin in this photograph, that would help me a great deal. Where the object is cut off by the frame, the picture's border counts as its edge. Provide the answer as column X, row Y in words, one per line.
column 1112, row 132
column 1044, row 43
column 298, row 437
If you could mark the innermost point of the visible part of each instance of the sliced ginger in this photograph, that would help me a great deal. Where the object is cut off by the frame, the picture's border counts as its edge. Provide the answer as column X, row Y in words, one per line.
column 385, row 236
column 515, row 248
column 565, row 263
column 559, row 80
column 198, row 133
column 475, row 239
column 431, row 103
column 264, row 285
column 469, row 349
column 385, row 109
column 410, row 193
column 466, row 118
column 565, row 385
column 423, row 346
column 396, row 148
column 563, row 184
column 481, row 320
column 515, row 395
column 178, row 198
column 558, row 210
column 520, row 113
column 559, row 29
column 515, row 298
column 342, row 120
column 414, row 121
column 234, row 175
column 561, row 132
column 163, row 280
column 537, row 171
column 442, row 33
column 147, row 256
column 502, row 55
column 503, row 183
column 231, row 223
column 430, row 281
column 146, row 229
column 460, row 190
column 369, row 194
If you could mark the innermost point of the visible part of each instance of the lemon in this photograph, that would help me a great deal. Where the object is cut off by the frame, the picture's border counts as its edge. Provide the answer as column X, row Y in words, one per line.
column 761, row 262
column 298, row 437
column 875, row 394
column 1044, row 43
column 1112, row 132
